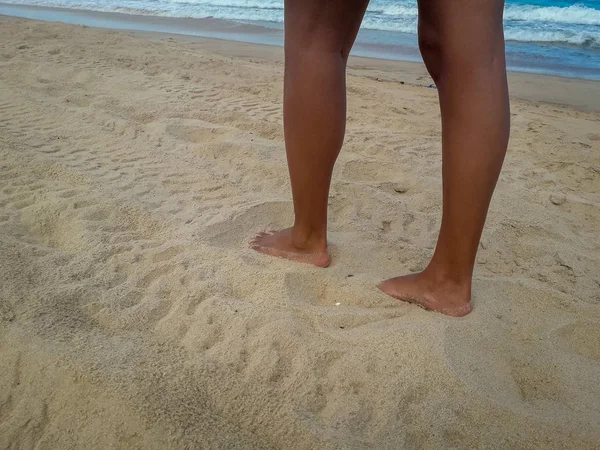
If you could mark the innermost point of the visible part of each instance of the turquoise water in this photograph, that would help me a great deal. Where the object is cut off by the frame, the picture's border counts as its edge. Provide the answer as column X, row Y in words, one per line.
column 557, row 37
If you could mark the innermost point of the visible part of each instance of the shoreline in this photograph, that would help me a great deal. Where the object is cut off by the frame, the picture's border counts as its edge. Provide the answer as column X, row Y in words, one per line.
column 576, row 92
column 373, row 43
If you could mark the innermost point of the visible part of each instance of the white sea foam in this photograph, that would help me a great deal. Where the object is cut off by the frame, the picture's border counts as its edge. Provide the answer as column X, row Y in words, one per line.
column 576, row 14
column 573, row 25
column 566, row 37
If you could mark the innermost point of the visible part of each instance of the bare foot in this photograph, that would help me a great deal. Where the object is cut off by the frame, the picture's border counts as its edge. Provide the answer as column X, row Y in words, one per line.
column 280, row 244
column 445, row 297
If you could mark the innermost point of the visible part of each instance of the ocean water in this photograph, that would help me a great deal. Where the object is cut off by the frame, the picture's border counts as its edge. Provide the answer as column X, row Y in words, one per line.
column 546, row 36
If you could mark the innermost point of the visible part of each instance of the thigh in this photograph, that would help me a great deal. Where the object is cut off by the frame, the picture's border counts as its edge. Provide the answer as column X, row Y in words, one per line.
column 318, row 25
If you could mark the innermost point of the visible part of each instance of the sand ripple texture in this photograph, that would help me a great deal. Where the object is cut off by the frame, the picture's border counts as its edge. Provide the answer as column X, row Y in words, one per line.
column 134, row 169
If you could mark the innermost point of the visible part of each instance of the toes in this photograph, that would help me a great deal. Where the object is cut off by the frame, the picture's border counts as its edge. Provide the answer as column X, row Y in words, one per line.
column 259, row 236
column 255, row 244
column 383, row 287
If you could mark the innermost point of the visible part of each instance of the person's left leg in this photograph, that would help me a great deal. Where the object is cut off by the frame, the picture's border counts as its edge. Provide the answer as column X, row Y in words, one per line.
column 462, row 44
column 318, row 39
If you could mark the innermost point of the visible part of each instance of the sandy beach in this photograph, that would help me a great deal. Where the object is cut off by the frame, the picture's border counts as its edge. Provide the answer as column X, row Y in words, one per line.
column 135, row 167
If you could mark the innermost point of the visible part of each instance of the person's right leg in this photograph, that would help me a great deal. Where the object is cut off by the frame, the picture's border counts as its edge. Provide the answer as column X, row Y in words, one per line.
column 462, row 44
column 318, row 38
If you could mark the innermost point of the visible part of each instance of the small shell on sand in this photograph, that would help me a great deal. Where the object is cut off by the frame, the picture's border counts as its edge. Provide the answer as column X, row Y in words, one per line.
column 558, row 199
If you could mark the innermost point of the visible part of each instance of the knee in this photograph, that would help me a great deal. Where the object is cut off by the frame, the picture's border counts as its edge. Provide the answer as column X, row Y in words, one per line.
column 444, row 53
column 316, row 41
column 432, row 50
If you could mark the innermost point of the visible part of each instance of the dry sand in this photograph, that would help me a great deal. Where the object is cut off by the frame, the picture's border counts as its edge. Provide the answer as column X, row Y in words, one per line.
column 135, row 167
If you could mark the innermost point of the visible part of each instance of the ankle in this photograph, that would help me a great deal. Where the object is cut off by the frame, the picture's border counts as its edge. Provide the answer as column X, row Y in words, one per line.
column 443, row 275
column 305, row 238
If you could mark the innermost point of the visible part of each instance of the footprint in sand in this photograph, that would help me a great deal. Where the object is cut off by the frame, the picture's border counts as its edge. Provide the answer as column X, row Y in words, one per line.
column 240, row 229
column 581, row 338
column 362, row 171
column 198, row 132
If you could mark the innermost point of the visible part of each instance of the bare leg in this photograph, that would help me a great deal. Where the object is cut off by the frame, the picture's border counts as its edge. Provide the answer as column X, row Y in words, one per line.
column 462, row 44
column 318, row 39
